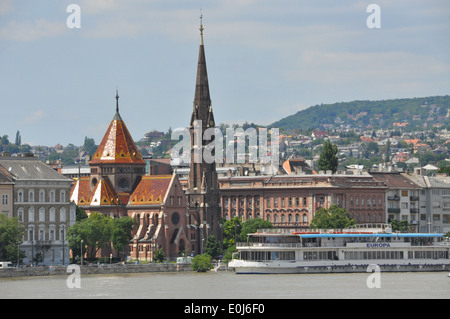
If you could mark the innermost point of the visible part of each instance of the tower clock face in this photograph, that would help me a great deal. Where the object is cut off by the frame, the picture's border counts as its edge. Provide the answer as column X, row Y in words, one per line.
column 123, row 183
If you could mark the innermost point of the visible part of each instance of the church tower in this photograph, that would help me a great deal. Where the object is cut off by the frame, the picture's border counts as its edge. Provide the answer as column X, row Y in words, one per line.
column 117, row 158
column 203, row 188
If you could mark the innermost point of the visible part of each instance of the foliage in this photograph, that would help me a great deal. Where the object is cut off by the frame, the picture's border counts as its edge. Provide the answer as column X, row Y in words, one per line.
column 121, row 231
column 334, row 217
column 11, row 233
column 159, row 256
column 89, row 145
column 231, row 230
column 229, row 253
column 212, row 247
column 394, row 110
column 99, row 231
column 328, row 158
column 402, row 226
column 251, row 226
column 201, row 263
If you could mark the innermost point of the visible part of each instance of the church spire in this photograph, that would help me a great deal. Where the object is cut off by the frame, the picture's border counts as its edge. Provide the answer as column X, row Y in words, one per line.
column 202, row 100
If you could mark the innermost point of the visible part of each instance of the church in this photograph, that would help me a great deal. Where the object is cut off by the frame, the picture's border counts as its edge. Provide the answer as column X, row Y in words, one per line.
column 177, row 221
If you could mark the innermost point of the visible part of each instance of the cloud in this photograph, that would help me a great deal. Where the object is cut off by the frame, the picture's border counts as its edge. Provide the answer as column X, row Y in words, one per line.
column 32, row 31
column 33, row 117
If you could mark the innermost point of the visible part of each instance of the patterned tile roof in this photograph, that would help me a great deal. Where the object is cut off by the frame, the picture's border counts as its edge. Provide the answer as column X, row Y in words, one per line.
column 80, row 193
column 104, row 194
column 151, row 190
column 117, row 146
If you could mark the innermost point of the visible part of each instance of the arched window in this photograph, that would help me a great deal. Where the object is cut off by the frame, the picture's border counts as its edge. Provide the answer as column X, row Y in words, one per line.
column 62, row 214
column 42, row 214
column 41, row 196
column 62, row 196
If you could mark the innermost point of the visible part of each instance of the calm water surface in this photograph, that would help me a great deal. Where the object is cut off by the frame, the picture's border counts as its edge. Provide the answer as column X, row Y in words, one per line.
column 227, row 285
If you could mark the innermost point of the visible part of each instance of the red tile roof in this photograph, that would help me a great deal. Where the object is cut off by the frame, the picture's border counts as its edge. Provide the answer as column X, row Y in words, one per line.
column 151, row 190
column 117, row 146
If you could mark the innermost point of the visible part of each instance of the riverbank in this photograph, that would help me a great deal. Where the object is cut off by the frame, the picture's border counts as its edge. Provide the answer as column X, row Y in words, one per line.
column 94, row 269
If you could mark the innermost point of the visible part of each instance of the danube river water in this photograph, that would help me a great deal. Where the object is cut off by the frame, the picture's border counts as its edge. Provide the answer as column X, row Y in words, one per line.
column 228, row 285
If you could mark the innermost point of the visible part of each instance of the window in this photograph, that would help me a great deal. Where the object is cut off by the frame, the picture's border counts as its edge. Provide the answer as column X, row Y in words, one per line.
column 31, row 215
column 52, row 196
column 62, row 215
column 52, row 214
column 5, row 199
column 404, row 193
column 62, row 196
column 20, row 196
column 20, row 214
column 41, row 196
column 31, row 196
column 42, row 214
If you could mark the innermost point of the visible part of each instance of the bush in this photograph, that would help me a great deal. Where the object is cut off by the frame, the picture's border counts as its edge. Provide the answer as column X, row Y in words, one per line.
column 201, row 263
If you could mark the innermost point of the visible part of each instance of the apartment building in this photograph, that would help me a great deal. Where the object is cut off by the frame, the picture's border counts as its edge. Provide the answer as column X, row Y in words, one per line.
column 41, row 203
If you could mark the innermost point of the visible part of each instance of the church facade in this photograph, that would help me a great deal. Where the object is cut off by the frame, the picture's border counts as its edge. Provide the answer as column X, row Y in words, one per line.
column 167, row 217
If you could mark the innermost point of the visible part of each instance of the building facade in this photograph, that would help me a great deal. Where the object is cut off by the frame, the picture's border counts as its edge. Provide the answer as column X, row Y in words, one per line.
column 6, row 192
column 41, row 203
column 291, row 201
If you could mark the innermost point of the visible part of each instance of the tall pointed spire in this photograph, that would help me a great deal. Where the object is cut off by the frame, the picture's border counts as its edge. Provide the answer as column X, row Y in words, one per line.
column 202, row 100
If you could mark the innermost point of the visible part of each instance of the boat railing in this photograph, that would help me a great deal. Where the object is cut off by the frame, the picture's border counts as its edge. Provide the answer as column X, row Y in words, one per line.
column 289, row 245
column 360, row 228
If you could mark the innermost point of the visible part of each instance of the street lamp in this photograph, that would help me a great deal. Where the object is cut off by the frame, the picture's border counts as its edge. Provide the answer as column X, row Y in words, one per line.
column 81, row 247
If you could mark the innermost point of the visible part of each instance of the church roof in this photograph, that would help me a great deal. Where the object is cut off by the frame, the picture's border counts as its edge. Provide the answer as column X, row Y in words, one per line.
column 80, row 192
column 151, row 190
column 104, row 194
column 117, row 146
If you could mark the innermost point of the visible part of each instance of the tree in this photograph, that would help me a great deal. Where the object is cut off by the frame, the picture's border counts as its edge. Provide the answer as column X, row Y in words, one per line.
column 159, row 256
column 334, row 217
column 251, row 226
column 201, row 263
column 121, row 231
column 11, row 234
column 92, row 233
column 231, row 231
column 18, row 139
column 212, row 247
column 89, row 145
column 328, row 159
column 402, row 226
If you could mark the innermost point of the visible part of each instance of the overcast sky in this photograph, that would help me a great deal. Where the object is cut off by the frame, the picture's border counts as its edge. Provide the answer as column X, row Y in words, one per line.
column 266, row 60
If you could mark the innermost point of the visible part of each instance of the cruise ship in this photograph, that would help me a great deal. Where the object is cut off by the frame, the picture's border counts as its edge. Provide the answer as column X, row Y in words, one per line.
column 362, row 249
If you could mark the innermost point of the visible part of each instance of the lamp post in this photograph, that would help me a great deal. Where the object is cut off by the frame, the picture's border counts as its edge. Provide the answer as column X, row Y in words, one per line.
column 81, row 247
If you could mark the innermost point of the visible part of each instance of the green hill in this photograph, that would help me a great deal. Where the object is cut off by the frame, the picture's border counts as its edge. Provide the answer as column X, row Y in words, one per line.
column 419, row 113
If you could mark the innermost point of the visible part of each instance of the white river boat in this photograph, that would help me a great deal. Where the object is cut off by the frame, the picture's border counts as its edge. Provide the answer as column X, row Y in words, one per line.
column 280, row 251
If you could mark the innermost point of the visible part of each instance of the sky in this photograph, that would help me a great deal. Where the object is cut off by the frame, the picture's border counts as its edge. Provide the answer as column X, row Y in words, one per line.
column 266, row 60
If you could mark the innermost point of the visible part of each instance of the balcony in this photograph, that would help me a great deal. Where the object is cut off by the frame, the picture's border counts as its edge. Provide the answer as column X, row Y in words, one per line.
column 393, row 197
column 414, row 210
column 393, row 210
column 414, row 198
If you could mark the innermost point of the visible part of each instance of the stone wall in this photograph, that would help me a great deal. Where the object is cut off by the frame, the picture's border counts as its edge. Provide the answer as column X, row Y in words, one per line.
column 94, row 269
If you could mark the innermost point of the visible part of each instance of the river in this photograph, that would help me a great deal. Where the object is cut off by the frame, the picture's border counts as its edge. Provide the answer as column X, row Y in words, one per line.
column 227, row 285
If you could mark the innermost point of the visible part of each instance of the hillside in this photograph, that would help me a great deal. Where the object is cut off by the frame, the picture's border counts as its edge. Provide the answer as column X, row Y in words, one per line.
column 418, row 113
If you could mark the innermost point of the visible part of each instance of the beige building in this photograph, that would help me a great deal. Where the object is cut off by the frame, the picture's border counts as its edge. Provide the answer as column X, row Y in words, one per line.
column 6, row 192
column 41, row 202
